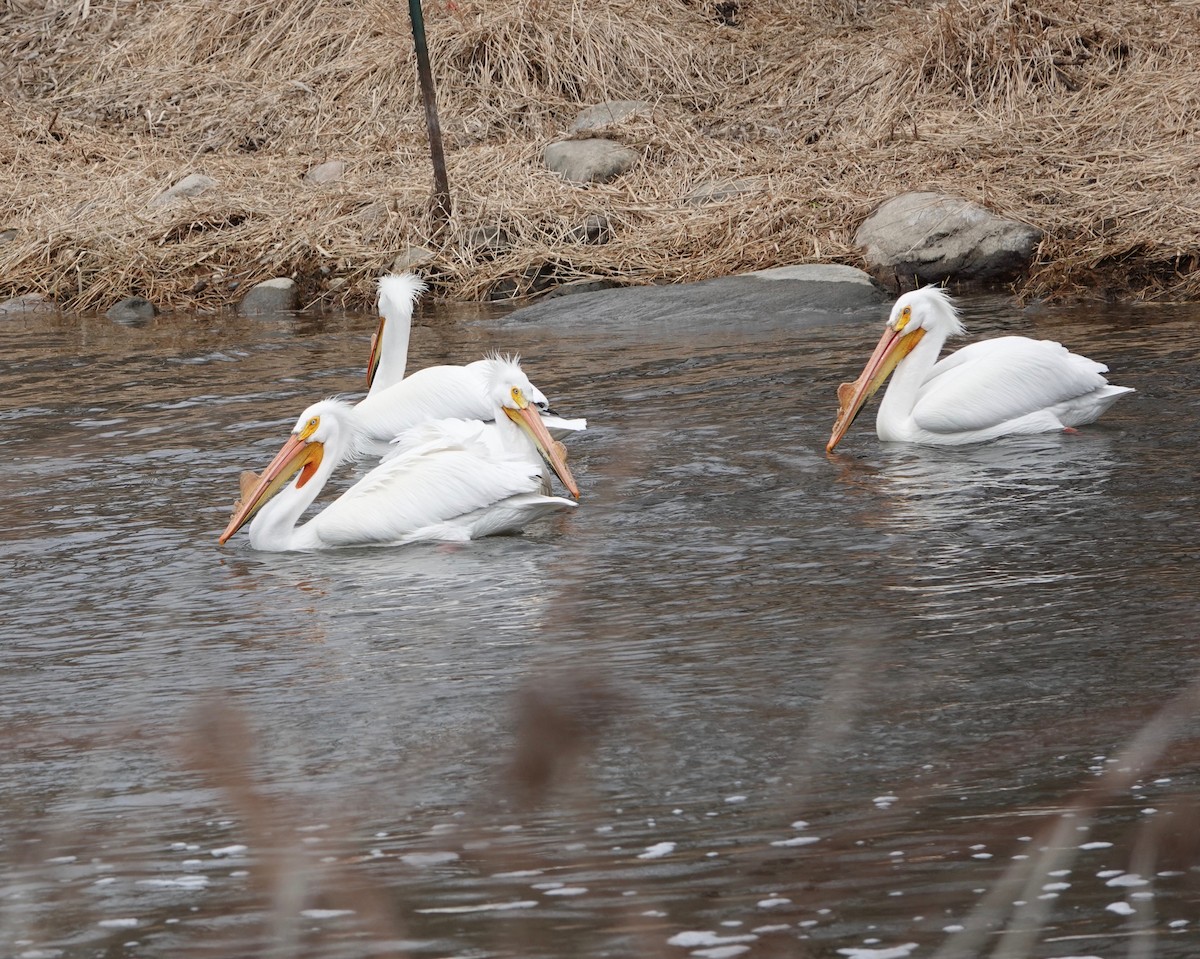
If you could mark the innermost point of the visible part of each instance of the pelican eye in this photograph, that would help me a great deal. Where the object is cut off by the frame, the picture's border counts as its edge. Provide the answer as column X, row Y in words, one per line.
column 905, row 316
column 518, row 398
column 310, row 427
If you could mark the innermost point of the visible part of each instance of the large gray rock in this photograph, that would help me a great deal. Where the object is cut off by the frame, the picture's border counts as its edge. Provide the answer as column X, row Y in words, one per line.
column 609, row 113
column 918, row 238
column 192, row 185
column 752, row 304
column 269, row 296
column 589, row 161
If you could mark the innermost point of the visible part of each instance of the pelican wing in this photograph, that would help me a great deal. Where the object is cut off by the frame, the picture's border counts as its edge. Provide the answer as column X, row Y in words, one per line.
column 996, row 381
column 429, row 485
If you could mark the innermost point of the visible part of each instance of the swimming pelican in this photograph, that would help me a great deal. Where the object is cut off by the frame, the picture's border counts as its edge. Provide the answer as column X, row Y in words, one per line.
column 395, row 404
column 448, row 488
column 993, row 388
column 398, row 294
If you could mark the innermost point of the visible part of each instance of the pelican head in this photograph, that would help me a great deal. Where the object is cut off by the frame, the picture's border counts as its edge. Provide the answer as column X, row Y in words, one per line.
column 398, row 294
column 522, row 402
column 928, row 311
column 323, row 425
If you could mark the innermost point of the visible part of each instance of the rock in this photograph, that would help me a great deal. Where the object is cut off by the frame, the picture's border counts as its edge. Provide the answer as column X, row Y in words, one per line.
column 610, row 112
column 717, row 190
column 581, row 286
column 486, row 240
column 28, row 303
column 589, row 161
column 331, row 171
column 7, row 236
column 269, row 296
column 192, row 185
column 919, row 238
column 132, row 311
column 752, row 304
column 412, row 259
column 594, row 229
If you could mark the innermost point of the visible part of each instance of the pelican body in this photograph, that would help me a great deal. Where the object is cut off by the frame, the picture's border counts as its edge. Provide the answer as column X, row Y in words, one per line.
column 993, row 388
column 448, row 487
column 395, row 404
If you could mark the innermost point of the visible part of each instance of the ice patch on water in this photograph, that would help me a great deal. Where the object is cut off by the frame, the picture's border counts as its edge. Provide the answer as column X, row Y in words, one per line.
column 428, row 858
column 696, row 938
column 517, row 874
column 800, row 824
column 797, row 841
column 773, row 902
column 190, row 881
column 735, row 799
column 720, row 952
column 126, row 923
column 883, row 802
column 777, row 927
column 658, row 850
column 1096, row 845
column 567, row 891
column 325, row 913
column 1130, row 879
column 1056, row 886
column 481, row 907
column 1178, row 923
column 953, row 928
column 892, row 952
column 235, row 850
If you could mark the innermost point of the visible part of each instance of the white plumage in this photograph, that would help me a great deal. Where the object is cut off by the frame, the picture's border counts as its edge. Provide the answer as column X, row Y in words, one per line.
column 449, row 487
column 998, row 387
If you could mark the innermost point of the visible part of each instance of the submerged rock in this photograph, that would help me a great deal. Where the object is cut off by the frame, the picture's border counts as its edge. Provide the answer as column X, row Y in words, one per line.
column 269, row 296
column 589, row 161
column 28, row 303
column 919, row 238
column 132, row 311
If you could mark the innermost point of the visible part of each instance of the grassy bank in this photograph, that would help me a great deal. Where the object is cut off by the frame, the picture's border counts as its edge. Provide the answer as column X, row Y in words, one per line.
column 1080, row 119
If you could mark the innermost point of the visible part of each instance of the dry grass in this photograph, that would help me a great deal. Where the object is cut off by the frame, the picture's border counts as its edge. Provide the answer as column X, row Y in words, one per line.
column 1079, row 122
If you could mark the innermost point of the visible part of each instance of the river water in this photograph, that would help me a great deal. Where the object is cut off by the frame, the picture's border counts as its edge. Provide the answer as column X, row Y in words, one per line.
column 748, row 699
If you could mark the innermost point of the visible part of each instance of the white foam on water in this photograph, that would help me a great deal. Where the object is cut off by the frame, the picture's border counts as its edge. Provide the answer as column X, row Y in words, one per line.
column 517, row 874
column 1178, row 923
column 735, row 799
column 567, row 891
column 800, row 824
column 883, row 802
column 1056, row 886
column 325, row 913
column 953, row 928
column 1105, row 873
column 125, row 923
column 776, row 927
column 1096, row 845
column 772, row 902
column 234, row 850
column 658, row 850
column 797, row 841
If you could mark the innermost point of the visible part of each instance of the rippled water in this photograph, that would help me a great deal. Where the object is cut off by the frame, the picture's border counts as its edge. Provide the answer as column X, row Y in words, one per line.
column 748, row 699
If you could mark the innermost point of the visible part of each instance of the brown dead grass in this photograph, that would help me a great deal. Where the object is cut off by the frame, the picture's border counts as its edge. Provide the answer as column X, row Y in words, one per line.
column 1077, row 119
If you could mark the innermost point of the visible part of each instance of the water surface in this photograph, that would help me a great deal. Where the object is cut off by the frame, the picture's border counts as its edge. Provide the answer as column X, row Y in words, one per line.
column 748, row 699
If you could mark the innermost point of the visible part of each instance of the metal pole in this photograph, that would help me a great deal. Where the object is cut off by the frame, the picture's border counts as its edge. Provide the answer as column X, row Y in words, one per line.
column 441, row 196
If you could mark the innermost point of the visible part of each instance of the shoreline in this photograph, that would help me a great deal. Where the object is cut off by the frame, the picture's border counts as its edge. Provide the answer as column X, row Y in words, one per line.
column 766, row 140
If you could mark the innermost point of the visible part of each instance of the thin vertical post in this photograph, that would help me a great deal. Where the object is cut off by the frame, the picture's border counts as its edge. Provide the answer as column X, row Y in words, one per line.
column 441, row 196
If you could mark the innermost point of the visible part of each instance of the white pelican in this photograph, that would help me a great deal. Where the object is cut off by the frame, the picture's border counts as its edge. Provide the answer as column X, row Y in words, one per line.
column 398, row 294
column 395, row 404
column 993, row 388
column 447, row 488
